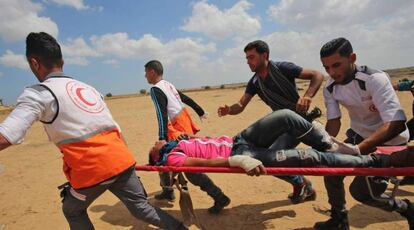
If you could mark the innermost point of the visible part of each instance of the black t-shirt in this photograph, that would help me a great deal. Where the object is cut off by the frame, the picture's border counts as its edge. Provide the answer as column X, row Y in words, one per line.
column 288, row 69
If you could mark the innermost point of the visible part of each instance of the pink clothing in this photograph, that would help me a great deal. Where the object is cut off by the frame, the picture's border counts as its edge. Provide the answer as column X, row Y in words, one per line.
column 206, row 148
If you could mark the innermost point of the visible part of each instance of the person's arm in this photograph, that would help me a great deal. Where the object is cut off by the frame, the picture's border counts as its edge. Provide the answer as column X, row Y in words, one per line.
column 385, row 133
column 333, row 126
column 160, row 103
column 412, row 104
column 333, row 113
column 386, row 102
column 190, row 102
column 316, row 79
column 403, row 85
column 31, row 106
column 250, row 165
column 4, row 143
column 395, row 86
column 235, row 108
column 215, row 162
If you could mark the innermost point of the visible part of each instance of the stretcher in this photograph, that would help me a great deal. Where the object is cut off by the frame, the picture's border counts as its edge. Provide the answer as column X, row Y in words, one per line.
column 187, row 209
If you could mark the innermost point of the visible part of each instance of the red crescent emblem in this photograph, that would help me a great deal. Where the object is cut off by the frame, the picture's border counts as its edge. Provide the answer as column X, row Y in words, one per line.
column 372, row 108
column 79, row 94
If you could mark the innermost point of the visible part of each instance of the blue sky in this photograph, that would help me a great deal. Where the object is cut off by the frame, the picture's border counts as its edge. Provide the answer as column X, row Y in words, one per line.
column 106, row 43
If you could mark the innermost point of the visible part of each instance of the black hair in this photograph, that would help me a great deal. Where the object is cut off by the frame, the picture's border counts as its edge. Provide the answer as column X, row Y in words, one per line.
column 260, row 46
column 338, row 45
column 156, row 66
column 44, row 48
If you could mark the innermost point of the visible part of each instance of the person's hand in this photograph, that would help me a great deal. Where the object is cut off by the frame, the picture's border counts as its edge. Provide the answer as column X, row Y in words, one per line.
column 204, row 116
column 183, row 136
column 245, row 162
column 259, row 170
column 223, row 110
column 303, row 104
column 346, row 148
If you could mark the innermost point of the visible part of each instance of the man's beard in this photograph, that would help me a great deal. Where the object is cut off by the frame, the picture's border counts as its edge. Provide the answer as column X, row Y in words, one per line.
column 260, row 67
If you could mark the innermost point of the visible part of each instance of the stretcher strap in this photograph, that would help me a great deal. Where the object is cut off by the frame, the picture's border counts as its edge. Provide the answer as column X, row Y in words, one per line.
column 408, row 171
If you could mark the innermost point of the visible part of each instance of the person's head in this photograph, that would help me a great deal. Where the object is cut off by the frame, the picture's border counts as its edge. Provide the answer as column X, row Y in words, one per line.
column 153, row 71
column 257, row 55
column 43, row 54
column 154, row 153
column 338, row 59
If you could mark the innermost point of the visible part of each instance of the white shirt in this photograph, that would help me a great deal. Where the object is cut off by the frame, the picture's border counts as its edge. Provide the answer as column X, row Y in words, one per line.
column 33, row 104
column 368, row 109
column 174, row 104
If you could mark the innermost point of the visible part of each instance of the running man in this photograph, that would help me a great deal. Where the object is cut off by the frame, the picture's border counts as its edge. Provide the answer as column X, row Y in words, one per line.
column 174, row 122
column 376, row 118
column 274, row 82
column 77, row 120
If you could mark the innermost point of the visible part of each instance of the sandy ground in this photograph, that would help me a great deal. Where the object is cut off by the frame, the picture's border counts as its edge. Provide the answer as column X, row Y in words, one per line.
column 30, row 173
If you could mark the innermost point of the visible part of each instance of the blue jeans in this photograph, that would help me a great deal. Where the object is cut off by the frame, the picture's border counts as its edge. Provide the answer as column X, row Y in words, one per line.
column 286, row 141
column 278, row 130
column 268, row 138
column 307, row 157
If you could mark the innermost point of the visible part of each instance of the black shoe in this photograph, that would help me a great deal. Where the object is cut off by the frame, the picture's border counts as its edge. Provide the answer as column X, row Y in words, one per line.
column 302, row 192
column 338, row 221
column 165, row 195
column 219, row 203
column 407, row 180
column 312, row 115
column 409, row 214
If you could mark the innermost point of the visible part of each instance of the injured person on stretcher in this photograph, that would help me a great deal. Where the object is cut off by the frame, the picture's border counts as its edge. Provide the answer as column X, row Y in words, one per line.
column 251, row 148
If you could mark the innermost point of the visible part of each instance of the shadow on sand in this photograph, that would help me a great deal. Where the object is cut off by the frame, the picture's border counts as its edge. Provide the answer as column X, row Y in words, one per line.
column 358, row 213
column 249, row 216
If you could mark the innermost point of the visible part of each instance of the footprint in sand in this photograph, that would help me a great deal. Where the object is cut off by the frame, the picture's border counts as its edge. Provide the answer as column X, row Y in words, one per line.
column 2, row 169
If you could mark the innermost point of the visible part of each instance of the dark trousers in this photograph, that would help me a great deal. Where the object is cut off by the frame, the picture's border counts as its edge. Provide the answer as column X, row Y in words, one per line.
column 359, row 188
column 128, row 188
column 200, row 180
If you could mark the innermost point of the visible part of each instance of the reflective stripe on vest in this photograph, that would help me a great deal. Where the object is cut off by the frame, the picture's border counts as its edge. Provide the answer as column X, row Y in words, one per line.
column 86, row 134
column 95, row 159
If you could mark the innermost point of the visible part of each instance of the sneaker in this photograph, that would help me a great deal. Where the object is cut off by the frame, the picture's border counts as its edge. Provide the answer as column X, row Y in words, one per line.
column 315, row 113
column 338, row 221
column 409, row 214
column 302, row 192
column 219, row 204
column 407, row 180
column 403, row 158
column 165, row 195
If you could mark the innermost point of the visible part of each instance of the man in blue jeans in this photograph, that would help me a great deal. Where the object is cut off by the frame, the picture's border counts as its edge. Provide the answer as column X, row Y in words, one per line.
column 274, row 83
column 250, row 150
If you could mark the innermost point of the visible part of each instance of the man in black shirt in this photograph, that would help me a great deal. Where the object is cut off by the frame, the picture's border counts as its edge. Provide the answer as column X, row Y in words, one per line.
column 274, row 82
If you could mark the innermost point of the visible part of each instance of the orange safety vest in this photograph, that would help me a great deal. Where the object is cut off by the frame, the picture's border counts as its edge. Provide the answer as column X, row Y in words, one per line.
column 85, row 132
column 182, row 123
